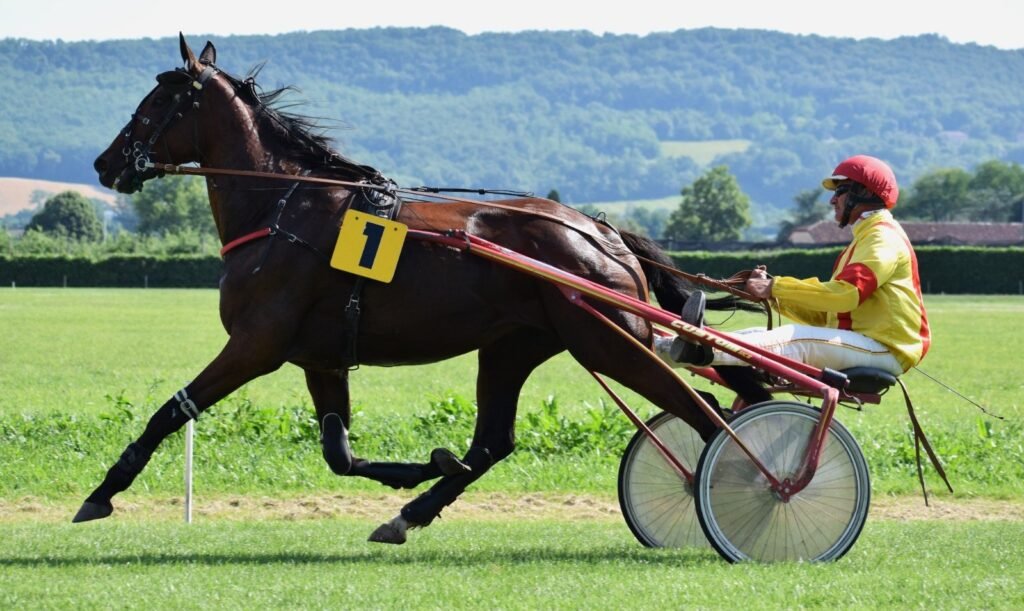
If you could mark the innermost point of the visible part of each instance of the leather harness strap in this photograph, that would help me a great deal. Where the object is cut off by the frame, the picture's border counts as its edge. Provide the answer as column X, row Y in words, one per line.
column 921, row 440
column 170, row 168
column 249, row 237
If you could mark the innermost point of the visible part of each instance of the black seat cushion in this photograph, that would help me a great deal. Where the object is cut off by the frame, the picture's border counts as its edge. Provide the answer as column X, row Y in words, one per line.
column 869, row 379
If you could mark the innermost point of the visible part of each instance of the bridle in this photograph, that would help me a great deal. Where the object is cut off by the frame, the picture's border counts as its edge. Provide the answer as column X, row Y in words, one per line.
column 187, row 92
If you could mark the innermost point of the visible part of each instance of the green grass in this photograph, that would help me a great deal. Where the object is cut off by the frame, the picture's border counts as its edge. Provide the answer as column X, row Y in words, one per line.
column 702, row 152
column 68, row 349
column 65, row 349
column 477, row 564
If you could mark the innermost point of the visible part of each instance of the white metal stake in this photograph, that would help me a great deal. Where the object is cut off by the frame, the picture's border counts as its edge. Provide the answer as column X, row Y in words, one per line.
column 189, row 433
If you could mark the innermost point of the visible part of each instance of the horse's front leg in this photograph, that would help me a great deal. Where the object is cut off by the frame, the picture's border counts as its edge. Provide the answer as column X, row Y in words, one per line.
column 233, row 367
column 329, row 390
column 504, row 367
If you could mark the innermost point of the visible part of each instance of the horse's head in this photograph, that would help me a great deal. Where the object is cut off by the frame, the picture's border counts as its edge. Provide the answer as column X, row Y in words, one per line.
column 164, row 126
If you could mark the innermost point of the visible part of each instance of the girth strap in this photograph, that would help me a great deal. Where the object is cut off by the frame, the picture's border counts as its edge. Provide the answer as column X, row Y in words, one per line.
column 384, row 204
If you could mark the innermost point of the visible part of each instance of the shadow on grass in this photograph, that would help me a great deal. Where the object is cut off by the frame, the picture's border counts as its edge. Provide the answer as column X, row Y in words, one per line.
column 622, row 556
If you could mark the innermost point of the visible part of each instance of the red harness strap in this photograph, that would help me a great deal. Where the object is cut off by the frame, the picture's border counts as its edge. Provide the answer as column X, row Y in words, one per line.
column 249, row 237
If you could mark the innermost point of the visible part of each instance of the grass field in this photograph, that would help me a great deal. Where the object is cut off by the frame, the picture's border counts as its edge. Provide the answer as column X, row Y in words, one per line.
column 703, row 152
column 525, row 564
column 66, row 349
column 63, row 350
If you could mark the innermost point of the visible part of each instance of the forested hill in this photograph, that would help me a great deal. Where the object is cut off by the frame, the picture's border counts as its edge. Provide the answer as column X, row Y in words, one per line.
column 597, row 117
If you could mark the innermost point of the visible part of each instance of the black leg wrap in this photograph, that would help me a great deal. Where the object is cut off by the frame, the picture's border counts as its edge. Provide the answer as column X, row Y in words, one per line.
column 133, row 460
column 396, row 475
column 422, row 510
column 409, row 475
column 168, row 419
column 334, row 440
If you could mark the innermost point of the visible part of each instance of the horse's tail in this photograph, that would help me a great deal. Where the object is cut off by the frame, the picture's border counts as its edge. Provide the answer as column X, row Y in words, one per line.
column 671, row 290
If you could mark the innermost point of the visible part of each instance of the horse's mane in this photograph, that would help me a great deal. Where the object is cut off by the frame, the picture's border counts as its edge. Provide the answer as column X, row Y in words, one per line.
column 302, row 135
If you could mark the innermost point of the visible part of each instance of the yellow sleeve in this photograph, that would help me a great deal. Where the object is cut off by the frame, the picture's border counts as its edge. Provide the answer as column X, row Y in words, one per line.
column 801, row 315
column 812, row 297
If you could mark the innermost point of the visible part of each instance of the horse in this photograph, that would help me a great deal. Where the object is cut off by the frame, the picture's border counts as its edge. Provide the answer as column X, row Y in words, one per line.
column 280, row 301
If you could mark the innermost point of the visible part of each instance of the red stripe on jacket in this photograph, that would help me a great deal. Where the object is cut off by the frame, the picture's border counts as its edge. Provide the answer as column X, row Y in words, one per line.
column 844, row 320
column 925, row 331
column 860, row 276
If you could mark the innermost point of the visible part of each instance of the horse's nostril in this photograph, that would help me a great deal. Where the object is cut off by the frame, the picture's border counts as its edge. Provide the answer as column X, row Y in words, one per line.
column 99, row 165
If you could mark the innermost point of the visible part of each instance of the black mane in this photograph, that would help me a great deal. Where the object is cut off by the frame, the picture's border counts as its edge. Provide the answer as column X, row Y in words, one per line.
column 302, row 135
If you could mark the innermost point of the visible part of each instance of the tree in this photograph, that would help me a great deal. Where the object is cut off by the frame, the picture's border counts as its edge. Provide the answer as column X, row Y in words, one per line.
column 806, row 211
column 651, row 221
column 996, row 192
column 69, row 214
column 554, row 196
column 173, row 204
column 938, row 196
column 619, row 221
column 6, row 243
column 714, row 209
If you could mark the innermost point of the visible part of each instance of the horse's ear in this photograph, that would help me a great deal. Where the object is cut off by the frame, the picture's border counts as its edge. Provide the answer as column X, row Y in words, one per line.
column 187, row 55
column 209, row 54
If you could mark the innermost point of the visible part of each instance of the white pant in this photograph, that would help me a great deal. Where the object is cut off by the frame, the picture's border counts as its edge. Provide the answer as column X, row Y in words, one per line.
column 833, row 348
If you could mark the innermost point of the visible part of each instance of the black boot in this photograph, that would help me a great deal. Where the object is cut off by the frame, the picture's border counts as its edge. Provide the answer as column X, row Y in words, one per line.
column 691, row 353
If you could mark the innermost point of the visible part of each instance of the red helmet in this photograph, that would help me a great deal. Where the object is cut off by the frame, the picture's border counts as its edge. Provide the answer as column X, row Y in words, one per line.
column 873, row 173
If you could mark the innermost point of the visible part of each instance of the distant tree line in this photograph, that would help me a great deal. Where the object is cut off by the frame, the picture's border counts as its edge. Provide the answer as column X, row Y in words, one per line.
column 591, row 114
column 172, row 214
column 714, row 209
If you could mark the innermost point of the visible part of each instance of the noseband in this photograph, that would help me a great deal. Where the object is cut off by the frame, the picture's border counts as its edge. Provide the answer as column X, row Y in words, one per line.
column 136, row 153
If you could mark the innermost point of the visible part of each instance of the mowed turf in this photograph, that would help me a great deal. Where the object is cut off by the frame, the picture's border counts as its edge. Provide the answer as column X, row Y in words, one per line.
column 63, row 350
column 513, row 564
column 67, row 349
column 71, row 357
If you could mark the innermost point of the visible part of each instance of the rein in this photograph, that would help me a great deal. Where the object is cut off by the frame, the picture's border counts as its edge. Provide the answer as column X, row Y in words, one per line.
column 170, row 168
column 729, row 285
column 726, row 285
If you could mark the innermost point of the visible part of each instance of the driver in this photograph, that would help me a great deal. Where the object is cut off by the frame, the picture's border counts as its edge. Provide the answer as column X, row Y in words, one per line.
column 870, row 313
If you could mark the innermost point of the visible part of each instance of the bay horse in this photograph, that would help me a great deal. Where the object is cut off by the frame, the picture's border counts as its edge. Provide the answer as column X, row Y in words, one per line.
column 280, row 301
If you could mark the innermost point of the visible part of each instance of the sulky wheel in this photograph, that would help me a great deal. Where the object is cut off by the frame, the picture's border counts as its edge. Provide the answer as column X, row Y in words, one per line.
column 656, row 501
column 745, row 520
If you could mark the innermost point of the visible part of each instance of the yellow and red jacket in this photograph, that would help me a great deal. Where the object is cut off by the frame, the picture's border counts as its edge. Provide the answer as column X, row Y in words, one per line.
column 875, row 290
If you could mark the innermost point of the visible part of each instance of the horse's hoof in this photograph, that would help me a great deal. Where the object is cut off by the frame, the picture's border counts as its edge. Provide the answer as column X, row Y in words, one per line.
column 390, row 532
column 448, row 463
column 93, row 511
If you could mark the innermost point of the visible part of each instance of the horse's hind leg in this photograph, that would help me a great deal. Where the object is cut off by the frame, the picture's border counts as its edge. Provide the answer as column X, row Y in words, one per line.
column 234, row 366
column 600, row 349
column 329, row 390
column 503, row 368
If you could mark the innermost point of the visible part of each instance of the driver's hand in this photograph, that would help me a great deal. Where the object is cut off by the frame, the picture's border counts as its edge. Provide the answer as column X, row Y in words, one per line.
column 759, row 284
column 760, row 272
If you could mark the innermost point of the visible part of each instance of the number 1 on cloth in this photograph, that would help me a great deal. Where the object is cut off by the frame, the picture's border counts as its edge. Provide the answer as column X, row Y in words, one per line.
column 368, row 246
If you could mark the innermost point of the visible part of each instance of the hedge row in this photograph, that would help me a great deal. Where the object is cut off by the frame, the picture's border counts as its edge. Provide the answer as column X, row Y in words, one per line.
column 944, row 269
column 182, row 271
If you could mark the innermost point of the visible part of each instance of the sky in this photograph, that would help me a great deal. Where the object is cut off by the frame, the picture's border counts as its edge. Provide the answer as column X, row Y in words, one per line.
column 985, row 22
